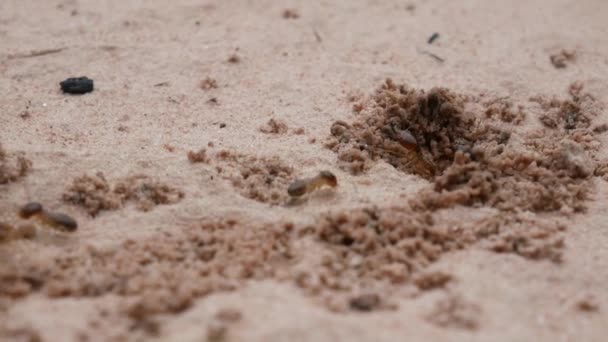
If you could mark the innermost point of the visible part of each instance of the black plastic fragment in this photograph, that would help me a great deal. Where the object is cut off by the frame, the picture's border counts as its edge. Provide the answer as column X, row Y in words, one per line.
column 77, row 85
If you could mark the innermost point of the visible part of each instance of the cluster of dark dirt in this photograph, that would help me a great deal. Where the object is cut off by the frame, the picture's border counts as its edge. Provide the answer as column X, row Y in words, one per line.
column 274, row 126
column 161, row 274
column 208, row 83
column 258, row 178
column 199, row 156
column 437, row 121
column 504, row 110
column 455, row 312
column 13, row 166
column 473, row 162
column 563, row 58
column 290, row 14
column 95, row 194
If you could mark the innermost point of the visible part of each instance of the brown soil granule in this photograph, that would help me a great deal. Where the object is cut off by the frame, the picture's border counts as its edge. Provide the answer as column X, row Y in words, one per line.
column 455, row 312
column 432, row 280
column 561, row 59
column 587, row 303
column 274, row 126
column 602, row 171
column 290, row 14
column 299, row 131
column 198, row 157
column 95, row 194
column 26, row 334
column 504, row 111
column 574, row 114
column 228, row 315
column 365, row 302
column 13, row 166
column 216, row 332
column 234, row 59
column 600, row 128
column 258, row 178
column 208, row 83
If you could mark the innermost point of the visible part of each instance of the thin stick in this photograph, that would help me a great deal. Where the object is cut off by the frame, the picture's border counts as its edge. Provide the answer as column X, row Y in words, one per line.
column 36, row 53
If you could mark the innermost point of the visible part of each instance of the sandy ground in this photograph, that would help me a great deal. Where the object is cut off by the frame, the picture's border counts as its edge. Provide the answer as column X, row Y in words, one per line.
column 148, row 110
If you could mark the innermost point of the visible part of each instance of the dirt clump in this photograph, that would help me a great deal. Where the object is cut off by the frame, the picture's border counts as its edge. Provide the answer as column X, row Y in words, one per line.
column 95, row 194
column 13, row 166
column 587, row 303
column 455, row 312
column 262, row 179
column 522, row 184
column 215, row 255
column 562, row 59
column 290, row 14
column 274, row 126
column 504, row 110
column 436, row 120
column 365, row 302
column 208, row 83
column 432, row 280
column 199, row 156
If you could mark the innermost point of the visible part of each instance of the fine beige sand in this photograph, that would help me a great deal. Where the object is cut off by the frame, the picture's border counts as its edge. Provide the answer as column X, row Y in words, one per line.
column 207, row 246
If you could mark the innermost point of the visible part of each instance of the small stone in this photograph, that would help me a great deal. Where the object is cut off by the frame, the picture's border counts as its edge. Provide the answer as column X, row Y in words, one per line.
column 77, row 85
column 366, row 302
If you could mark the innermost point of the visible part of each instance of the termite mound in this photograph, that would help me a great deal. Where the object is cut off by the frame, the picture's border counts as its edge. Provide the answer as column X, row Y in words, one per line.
column 414, row 130
column 470, row 154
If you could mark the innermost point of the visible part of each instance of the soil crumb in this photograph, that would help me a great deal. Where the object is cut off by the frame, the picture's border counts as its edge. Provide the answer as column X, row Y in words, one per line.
column 234, row 59
column 208, row 83
column 274, row 126
column 198, row 157
column 365, row 302
column 95, row 194
column 216, row 332
column 261, row 179
column 455, row 312
column 587, row 303
column 563, row 58
column 290, row 14
column 432, row 280
column 13, row 166
column 229, row 315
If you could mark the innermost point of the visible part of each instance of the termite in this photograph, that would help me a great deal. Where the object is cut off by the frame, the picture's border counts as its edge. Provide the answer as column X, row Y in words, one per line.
column 58, row 221
column 418, row 162
column 30, row 209
column 301, row 187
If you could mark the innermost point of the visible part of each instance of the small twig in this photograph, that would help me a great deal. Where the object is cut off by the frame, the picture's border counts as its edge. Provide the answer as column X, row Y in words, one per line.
column 434, row 56
column 317, row 36
column 36, row 53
